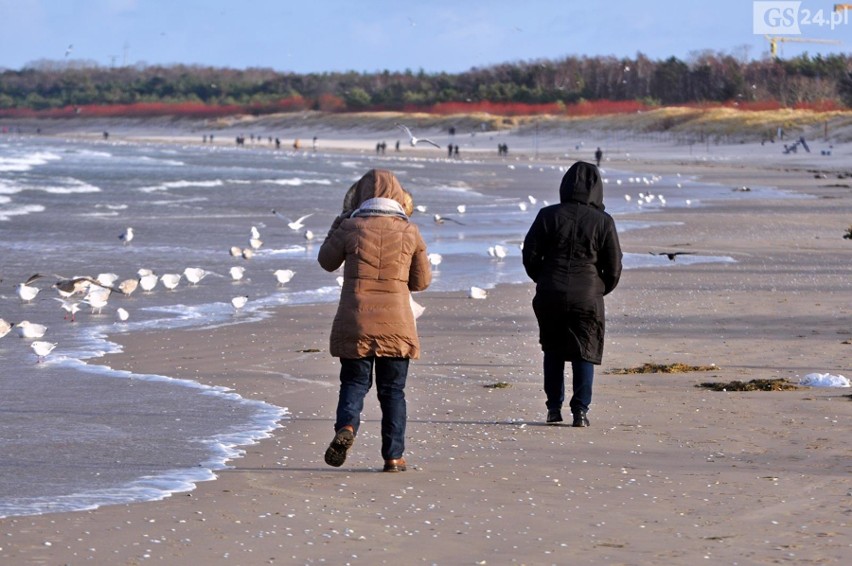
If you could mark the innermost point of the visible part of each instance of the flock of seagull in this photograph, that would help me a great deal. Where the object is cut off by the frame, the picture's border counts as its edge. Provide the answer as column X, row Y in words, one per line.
column 76, row 293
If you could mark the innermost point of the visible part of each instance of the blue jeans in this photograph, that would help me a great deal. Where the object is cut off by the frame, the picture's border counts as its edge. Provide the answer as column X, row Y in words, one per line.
column 356, row 378
column 554, row 382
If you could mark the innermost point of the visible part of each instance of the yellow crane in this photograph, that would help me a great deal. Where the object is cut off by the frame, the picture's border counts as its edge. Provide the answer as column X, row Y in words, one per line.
column 774, row 40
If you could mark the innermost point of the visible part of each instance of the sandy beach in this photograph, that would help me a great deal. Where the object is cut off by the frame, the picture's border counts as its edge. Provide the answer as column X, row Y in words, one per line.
column 668, row 473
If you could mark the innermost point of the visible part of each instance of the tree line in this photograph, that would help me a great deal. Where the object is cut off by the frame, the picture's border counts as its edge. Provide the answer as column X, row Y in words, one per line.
column 705, row 77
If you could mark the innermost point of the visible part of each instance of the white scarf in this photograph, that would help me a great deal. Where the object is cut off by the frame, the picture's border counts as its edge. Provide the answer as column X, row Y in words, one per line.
column 379, row 206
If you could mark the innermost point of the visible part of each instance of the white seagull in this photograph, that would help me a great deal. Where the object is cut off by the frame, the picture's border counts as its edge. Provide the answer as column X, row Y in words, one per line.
column 26, row 291
column 295, row 225
column 128, row 286
column 309, row 235
column 237, row 272
column 148, row 282
column 239, row 302
column 497, row 251
column 42, row 349
column 126, row 236
column 435, row 259
column 477, row 293
column 461, row 208
column 121, row 314
column 283, row 275
column 195, row 274
column 29, row 329
column 70, row 307
column 235, row 251
column 97, row 300
column 170, row 280
column 413, row 141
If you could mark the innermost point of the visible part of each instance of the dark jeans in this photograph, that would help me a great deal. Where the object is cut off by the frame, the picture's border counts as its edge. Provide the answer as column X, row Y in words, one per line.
column 554, row 382
column 356, row 378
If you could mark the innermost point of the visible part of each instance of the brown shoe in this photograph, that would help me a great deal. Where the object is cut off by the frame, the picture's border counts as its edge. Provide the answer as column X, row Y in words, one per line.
column 336, row 453
column 397, row 465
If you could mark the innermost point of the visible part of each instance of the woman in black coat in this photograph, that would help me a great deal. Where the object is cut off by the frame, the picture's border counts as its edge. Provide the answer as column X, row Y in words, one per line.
column 572, row 253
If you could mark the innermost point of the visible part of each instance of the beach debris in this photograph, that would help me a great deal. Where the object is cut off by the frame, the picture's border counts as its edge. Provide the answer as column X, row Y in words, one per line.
column 477, row 293
column 42, row 349
column 825, row 380
column 27, row 329
column 126, row 236
column 121, row 314
column 778, row 384
column 412, row 140
column 283, row 275
column 498, row 385
column 5, row 327
column 676, row 367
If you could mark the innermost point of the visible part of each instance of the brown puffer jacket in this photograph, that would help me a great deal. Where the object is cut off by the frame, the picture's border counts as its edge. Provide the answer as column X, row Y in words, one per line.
column 384, row 260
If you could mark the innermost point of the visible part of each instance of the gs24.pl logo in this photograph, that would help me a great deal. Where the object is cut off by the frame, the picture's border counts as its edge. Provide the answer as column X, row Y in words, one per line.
column 784, row 17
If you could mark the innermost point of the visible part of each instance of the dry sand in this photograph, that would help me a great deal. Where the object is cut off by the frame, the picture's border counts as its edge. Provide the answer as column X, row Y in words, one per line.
column 668, row 473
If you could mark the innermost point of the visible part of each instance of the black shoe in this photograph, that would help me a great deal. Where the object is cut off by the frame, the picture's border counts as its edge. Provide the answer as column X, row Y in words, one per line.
column 554, row 416
column 336, row 453
column 580, row 419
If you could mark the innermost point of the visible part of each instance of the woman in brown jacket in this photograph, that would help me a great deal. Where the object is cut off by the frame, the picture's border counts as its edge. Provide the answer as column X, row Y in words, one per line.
column 384, row 259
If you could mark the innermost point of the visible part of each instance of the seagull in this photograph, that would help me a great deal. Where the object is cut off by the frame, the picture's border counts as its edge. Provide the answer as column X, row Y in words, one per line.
column 420, row 208
column 435, row 259
column 143, row 271
column 239, row 302
column 128, row 286
column 126, row 236
column 477, row 293
column 28, row 329
column 497, row 251
column 69, row 49
column 170, row 280
column 255, row 243
column 247, row 253
column 522, row 206
column 441, row 219
column 195, row 274
column 671, row 255
column 70, row 307
column 97, row 300
column 5, row 327
column 283, row 275
column 235, row 251
column 309, row 235
column 121, row 314
column 106, row 279
column 532, row 199
column 339, row 280
column 413, row 141
column 27, row 292
column 295, row 225
column 148, row 282
column 42, row 349
column 68, row 287
column 237, row 272
column 255, row 234
column 461, row 208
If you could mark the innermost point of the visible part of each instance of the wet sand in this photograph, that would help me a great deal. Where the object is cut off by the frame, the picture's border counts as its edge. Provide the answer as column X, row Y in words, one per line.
column 667, row 472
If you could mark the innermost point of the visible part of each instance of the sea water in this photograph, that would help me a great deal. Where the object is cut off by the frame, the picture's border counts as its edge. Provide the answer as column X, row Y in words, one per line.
column 76, row 434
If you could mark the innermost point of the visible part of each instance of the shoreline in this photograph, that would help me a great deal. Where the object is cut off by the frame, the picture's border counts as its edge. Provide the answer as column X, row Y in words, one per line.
column 485, row 476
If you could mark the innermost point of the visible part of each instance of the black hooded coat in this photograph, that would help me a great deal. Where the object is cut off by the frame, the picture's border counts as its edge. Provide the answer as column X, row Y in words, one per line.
column 572, row 253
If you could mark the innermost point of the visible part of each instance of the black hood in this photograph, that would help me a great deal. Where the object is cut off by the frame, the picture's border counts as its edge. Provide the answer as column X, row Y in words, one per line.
column 582, row 183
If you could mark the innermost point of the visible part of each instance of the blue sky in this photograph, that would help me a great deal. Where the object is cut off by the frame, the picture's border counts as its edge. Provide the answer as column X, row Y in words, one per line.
column 365, row 36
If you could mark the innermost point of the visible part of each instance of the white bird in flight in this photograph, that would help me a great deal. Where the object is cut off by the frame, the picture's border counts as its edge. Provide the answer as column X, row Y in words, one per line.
column 413, row 141
column 295, row 225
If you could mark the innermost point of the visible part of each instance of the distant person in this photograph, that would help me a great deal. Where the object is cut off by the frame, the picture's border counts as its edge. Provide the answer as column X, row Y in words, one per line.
column 396, row 148
column 277, row 143
column 297, row 144
column 211, row 138
column 456, row 151
column 598, row 156
column 450, row 150
column 204, row 139
column 314, row 143
column 384, row 259
column 572, row 253
column 106, row 135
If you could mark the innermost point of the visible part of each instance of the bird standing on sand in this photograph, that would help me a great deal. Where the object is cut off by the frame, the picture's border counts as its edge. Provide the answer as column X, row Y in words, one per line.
column 29, row 329
column 239, row 302
column 237, row 272
column 42, row 349
column 283, row 275
column 70, row 307
column 195, row 274
column 170, row 280
column 126, row 236
column 413, row 141
column 5, row 327
column 26, row 291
